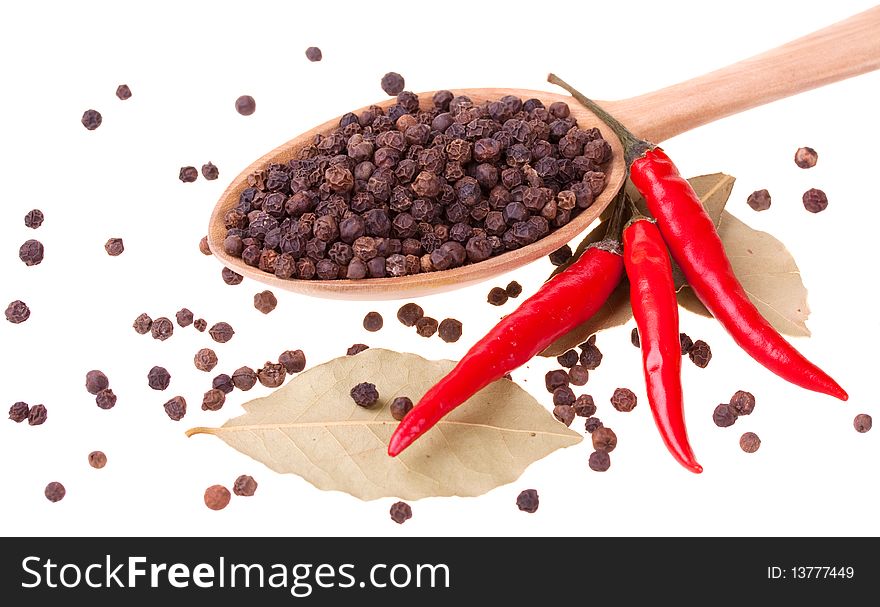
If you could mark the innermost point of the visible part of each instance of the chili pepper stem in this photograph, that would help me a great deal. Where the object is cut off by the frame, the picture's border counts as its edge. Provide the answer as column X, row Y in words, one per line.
column 633, row 147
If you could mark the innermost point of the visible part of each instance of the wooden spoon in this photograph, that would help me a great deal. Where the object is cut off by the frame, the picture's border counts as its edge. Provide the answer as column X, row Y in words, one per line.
column 842, row 50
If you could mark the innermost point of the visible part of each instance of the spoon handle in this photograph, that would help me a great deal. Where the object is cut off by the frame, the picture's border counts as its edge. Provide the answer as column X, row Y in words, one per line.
column 842, row 50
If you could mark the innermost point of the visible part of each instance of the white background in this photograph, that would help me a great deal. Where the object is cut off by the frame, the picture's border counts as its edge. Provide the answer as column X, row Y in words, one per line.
column 187, row 62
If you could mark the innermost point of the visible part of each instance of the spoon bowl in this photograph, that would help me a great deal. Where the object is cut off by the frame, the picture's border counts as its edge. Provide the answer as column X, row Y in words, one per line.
column 427, row 282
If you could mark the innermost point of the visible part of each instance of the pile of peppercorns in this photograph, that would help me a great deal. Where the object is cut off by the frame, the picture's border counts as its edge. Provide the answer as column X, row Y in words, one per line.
column 404, row 190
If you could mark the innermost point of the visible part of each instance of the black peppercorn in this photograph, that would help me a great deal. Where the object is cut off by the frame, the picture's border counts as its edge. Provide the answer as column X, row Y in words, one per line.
column 400, row 512
column 624, row 400
column 634, row 337
column 578, row 375
column 600, row 461
column 426, row 326
column 356, row 349
column 213, row 400
column 92, row 119
column 158, row 378
column 749, row 442
column 563, row 395
column 272, row 374
column 450, row 330
column 815, row 200
column 205, row 359
column 373, row 321
column 392, row 83
column 105, row 399
column 584, row 406
column 742, row 403
column 497, row 296
column 564, row 413
column 123, row 92
column 400, row 406
column 724, row 416
column 34, row 219
column 555, row 379
column 568, row 359
column 806, row 157
column 31, row 252
column 162, row 328
column 176, row 408
column 55, row 492
column 604, row 439
column 245, row 105
column 142, row 324
column 527, row 501
column 759, row 200
column 19, row 412
column 313, row 53
column 96, row 381
column 244, row 378
column 188, row 174
column 592, row 423
column 221, row 332
column 700, row 353
column 862, row 422
column 365, row 394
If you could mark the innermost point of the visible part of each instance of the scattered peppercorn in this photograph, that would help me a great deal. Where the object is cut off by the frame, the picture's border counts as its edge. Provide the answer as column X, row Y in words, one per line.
column 634, row 337
column 176, row 408
column 184, row 317
column 204, row 249
column 114, row 247
column 724, row 416
column 37, row 415
column 742, row 403
column 210, row 171
column 815, row 200
column 759, row 200
column 245, row 105
column 55, row 492
column 313, row 53
column 591, row 356
column 188, row 174
column 293, row 361
column 687, row 344
column 400, row 406
column 162, row 328
column 200, row 324
column 604, row 439
column 34, row 219
column 555, row 379
column 217, row 497
column 624, row 400
column 564, row 413
column 749, row 442
column 205, row 359
column 806, row 158
column 392, row 83
column 221, row 332
column 700, row 354
column 400, row 512
column 265, row 301
column 373, row 321
column 244, row 378
column 123, row 92
column 409, row 314
column 527, row 501
column 578, row 375
column 223, row 382
column 560, row 255
column 356, row 349
column 96, row 381
column 563, row 395
column 450, row 330
column 513, row 289
column 497, row 296
column 365, row 394
column 584, row 406
column 19, row 412
column 213, row 400
column 862, row 423
column 97, row 459
column 17, row 312
column 272, row 374
column 142, row 324
column 599, row 461
column 592, row 423
column 568, row 359
column 92, row 119
column 158, row 378
column 31, row 252
column 105, row 399
column 244, row 486
column 426, row 326
column 231, row 277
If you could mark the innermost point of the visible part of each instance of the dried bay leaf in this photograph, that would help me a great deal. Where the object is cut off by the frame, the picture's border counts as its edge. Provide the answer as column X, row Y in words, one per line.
column 311, row 427
column 768, row 273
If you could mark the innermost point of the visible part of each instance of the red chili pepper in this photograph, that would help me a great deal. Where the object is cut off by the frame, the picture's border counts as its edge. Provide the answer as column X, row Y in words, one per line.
column 560, row 305
column 652, row 295
column 694, row 243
